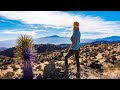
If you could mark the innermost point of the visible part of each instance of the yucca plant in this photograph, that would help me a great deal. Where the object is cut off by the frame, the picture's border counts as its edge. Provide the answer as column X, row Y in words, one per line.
column 25, row 51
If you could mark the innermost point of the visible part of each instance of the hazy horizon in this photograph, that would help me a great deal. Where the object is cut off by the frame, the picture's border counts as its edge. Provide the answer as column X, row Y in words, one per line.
column 47, row 36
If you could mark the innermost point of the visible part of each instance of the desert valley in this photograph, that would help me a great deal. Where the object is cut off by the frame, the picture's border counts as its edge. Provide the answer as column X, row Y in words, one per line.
column 97, row 61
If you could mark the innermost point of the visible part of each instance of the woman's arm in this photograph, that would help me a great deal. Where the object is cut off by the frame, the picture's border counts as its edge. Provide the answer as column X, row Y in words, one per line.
column 73, row 43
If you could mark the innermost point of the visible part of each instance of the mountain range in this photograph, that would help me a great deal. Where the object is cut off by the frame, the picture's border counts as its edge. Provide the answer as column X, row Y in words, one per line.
column 2, row 48
column 112, row 38
column 54, row 39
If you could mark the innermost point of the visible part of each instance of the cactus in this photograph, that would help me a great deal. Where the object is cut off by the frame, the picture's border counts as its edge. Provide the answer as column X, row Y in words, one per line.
column 25, row 51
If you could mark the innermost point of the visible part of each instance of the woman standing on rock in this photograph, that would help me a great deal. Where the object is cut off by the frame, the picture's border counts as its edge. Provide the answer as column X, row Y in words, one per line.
column 74, row 48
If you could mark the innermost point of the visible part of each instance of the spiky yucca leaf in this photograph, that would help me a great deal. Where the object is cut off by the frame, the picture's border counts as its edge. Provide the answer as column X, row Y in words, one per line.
column 22, row 43
column 25, row 51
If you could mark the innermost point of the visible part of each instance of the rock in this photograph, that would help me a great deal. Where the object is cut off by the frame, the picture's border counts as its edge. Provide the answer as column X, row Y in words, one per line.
column 114, row 58
column 39, row 76
column 16, row 78
column 72, row 77
column 87, row 49
column 5, row 67
column 94, row 65
column 38, row 67
column 14, row 68
column 49, row 70
column 9, row 75
column 101, row 50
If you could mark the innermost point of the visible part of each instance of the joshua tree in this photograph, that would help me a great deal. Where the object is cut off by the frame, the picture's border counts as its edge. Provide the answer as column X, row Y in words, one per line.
column 26, row 52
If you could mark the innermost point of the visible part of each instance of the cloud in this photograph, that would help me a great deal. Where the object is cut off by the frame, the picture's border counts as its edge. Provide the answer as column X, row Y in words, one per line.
column 57, row 19
column 66, row 34
column 55, row 27
column 6, row 21
column 18, row 32
column 40, row 17
column 32, row 33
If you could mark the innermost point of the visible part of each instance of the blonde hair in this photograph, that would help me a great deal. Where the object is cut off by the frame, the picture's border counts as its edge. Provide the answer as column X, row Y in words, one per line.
column 75, row 25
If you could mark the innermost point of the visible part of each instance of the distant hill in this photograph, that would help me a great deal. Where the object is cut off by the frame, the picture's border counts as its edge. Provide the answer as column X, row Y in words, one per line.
column 58, row 40
column 2, row 48
column 54, row 39
column 8, row 52
column 104, row 42
column 53, row 36
column 112, row 38
column 7, row 43
column 40, row 49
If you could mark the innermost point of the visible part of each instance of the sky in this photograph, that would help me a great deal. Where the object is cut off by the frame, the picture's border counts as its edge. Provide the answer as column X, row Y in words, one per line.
column 93, row 24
